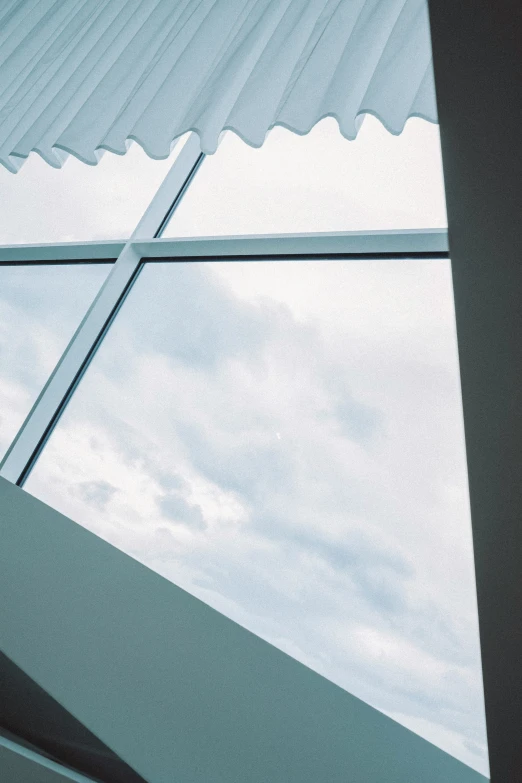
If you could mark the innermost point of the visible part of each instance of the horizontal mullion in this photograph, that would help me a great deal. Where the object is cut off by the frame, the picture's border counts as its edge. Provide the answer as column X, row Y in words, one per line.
column 60, row 262
column 394, row 256
column 429, row 243
column 62, row 252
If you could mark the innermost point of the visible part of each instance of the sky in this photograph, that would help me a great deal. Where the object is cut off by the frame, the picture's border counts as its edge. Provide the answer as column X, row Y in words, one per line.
column 284, row 440
column 40, row 309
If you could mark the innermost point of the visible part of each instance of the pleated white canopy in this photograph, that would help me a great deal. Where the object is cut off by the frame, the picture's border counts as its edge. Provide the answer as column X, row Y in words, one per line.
column 81, row 76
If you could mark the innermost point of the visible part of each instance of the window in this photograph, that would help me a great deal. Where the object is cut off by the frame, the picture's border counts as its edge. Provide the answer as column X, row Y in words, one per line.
column 40, row 307
column 318, row 182
column 284, row 440
column 260, row 398
column 78, row 202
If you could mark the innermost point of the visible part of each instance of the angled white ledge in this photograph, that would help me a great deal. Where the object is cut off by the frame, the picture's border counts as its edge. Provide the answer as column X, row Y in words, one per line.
column 197, row 698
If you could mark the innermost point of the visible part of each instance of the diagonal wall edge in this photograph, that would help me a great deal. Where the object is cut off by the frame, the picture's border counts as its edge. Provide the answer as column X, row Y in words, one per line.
column 174, row 688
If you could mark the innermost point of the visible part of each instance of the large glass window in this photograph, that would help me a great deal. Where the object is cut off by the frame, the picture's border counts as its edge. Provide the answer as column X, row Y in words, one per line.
column 284, row 440
column 317, row 182
column 40, row 307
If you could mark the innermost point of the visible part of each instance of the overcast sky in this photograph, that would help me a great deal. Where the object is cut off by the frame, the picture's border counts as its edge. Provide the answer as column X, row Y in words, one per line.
column 284, row 439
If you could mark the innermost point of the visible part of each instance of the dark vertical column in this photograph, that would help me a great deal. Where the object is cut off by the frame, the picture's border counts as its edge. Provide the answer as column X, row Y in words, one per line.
column 477, row 46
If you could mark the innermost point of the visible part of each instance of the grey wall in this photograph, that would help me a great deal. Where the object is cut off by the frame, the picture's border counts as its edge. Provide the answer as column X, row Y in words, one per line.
column 477, row 46
column 174, row 688
column 29, row 715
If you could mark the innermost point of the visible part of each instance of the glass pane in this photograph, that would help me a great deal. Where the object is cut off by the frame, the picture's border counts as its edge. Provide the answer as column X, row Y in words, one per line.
column 318, row 182
column 285, row 441
column 78, row 202
column 40, row 308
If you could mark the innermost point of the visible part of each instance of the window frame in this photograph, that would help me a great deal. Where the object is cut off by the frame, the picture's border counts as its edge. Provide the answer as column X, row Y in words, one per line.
column 146, row 246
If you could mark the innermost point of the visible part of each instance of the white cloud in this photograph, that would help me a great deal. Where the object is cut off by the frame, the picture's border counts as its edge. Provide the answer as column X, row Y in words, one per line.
column 39, row 311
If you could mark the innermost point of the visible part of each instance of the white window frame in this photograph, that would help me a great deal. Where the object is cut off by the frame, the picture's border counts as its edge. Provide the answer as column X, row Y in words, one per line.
column 145, row 245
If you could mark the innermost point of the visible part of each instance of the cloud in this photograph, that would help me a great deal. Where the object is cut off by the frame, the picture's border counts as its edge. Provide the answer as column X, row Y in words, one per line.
column 96, row 493
column 176, row 508
column 40, row 307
